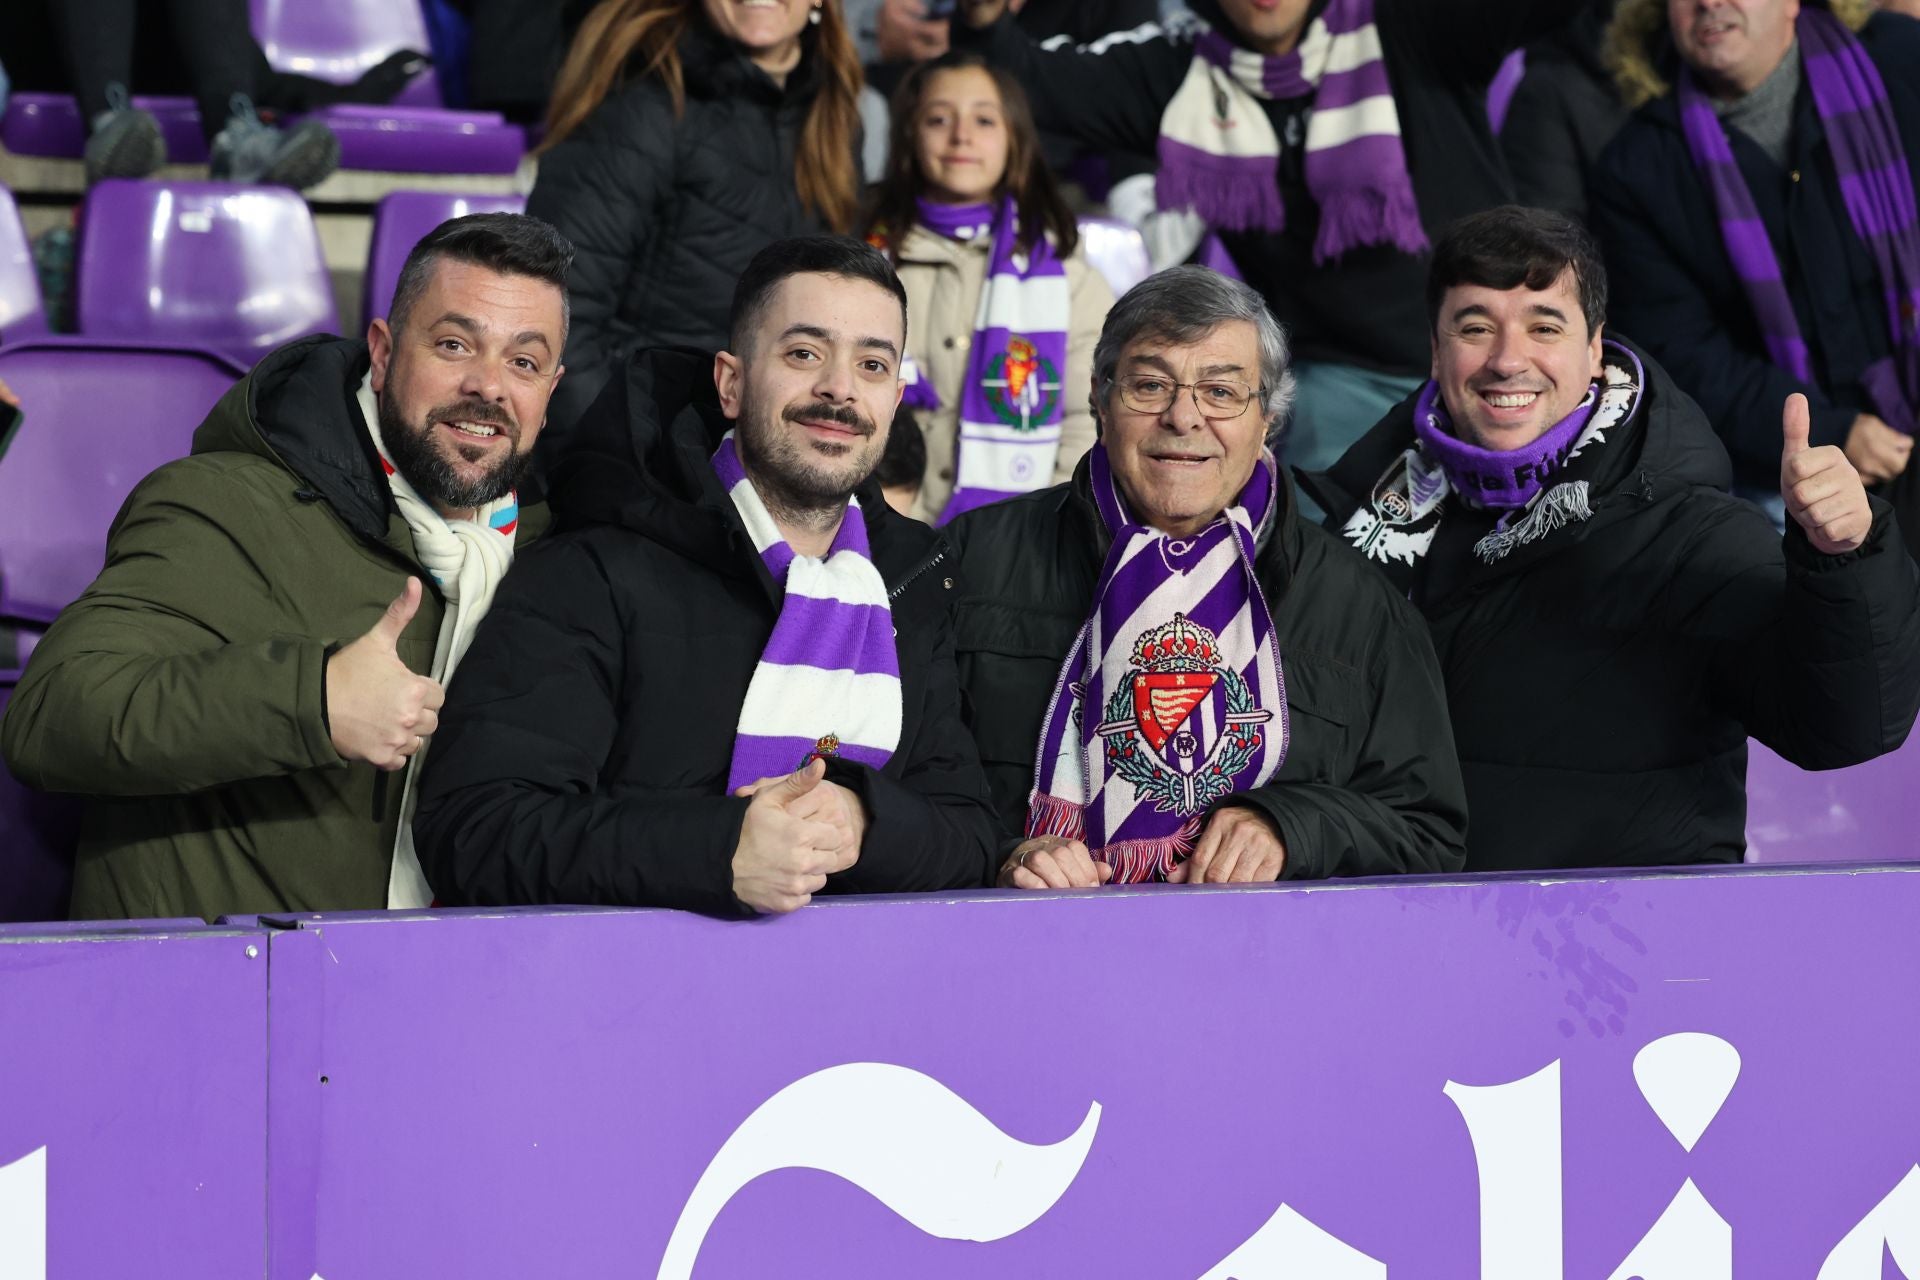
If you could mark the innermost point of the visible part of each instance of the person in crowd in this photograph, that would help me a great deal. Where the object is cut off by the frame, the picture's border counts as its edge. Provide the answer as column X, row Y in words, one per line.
column 219, row 63
column 903, row 463
column 727, row 685
column 1321, row 140
column 1563, row 114
column 1002, row 307
column 1758, row 215
column 683, row 137
column 267, row 644
column 1214, row 689
column 1613, row 625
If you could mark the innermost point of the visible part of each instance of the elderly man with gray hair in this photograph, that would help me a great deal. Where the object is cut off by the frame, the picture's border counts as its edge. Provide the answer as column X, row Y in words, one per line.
column 1171, row 675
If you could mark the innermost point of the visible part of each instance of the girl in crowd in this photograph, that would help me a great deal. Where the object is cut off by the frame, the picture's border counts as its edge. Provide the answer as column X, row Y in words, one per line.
column 1002, row 309
column 683, row 137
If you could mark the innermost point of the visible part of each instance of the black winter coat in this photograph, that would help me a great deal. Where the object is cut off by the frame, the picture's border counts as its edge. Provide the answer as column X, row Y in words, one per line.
column 1364, row 308
column 1674, row 287
column 1604, row 680
column 665, row 212
column 1563, row 114
column 1370, row 784
column 582, row 756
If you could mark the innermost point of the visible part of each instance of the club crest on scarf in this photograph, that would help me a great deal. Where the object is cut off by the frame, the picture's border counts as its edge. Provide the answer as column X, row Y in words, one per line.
column 1022, row 385
column 1182, row 726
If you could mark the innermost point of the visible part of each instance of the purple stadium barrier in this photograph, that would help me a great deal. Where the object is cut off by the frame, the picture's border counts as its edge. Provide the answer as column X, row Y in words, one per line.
column 49, row 125
column 99, row 417
column 236, row 269
column 22, row 313
column 1116, row 250
column 400, row 220
column 1861, row 814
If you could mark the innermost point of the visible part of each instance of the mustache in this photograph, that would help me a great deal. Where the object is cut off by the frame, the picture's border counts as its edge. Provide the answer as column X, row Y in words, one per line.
column 843, row 415
column 474, row 411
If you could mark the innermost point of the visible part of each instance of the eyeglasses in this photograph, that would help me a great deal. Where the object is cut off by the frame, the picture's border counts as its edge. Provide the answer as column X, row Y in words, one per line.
column 1214, row 398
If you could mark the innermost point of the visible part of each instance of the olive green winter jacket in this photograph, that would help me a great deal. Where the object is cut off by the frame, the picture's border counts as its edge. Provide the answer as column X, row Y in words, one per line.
column 185, row 692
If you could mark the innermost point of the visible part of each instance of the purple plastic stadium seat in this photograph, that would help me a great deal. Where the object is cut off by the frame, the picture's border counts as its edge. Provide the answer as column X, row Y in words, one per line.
column 400, row 221
column 230, row 268
column 49, row 124
column 339, row 40
column 1117, row 251
column 22, row 314
column 1862, row 814
column 99, row 417
column 37, row 835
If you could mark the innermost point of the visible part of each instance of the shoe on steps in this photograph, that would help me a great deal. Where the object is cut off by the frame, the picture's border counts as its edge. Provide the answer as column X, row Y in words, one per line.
column 250, row 150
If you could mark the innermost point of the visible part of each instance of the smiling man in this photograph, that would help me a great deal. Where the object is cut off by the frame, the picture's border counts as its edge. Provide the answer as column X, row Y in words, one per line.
column 1612, row 624
column 728, row 685
column 279, row 611
column 1169, row 674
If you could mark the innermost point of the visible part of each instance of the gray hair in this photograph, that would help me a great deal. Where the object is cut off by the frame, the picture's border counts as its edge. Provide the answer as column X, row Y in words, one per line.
column 1185, row 304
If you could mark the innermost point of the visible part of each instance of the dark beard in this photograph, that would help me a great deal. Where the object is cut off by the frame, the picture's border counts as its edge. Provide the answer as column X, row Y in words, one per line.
column 432, row 476
column 787, row 481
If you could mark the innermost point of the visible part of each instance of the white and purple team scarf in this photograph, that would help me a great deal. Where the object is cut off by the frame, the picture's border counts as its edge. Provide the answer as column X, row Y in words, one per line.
column 1876, row 185
column 1172, row 696
column 828, row 682
column 1220, row 157
column 1010, row 396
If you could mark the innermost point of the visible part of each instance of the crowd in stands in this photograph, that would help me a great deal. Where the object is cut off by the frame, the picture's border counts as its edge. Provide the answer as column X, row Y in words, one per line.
column 805, row 510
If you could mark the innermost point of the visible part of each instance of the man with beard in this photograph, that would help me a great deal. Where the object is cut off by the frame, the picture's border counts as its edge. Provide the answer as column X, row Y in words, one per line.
column 279, row 611
column 1611, row 623
column 728, row 684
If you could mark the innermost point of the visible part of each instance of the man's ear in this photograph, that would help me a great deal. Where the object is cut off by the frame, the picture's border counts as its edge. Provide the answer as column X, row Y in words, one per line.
column 380, row 348
column 1097, row 405
column 729, row 376
column 1433, row 355
column 1594, row 356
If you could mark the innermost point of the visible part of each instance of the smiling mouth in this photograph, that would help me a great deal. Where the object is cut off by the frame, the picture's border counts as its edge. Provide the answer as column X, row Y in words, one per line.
column 1510, row 399
column 473, row 430
column 1182, row 459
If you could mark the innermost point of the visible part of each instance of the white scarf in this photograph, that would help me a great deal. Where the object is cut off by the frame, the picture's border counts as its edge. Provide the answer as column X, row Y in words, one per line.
column 467, row 559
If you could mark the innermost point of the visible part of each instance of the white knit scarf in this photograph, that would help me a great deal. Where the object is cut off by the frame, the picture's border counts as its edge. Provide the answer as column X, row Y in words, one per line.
column 467, row 559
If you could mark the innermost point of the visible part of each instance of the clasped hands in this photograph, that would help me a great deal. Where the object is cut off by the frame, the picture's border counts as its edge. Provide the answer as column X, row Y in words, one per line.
column 799, row 830
column 1239, row 845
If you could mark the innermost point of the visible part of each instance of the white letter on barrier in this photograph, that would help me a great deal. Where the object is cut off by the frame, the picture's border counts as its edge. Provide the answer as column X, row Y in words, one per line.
column 1893, row 1227
column 23, row 1218
column 1515, row 1130
column 1291, row 1248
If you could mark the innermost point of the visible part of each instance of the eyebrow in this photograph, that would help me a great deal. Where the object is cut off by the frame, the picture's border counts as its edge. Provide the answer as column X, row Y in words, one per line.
column 530, row 336
column 1208, row 371
column 1537, row 309
column 815, row 331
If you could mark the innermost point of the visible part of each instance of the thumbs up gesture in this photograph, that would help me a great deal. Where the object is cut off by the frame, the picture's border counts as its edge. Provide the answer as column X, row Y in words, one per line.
column 379, row 709
column 1823, row 492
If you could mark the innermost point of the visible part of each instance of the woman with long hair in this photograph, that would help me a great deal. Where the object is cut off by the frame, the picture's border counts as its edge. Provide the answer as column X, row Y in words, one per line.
column 683, row 137
column 1002, row 309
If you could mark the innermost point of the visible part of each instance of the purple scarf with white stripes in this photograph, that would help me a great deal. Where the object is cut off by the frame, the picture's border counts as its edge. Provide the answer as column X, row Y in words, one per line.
column 1011, row 394
column 1220, row 157
column 1172, row 696
column 828, row 682
column 1876, row 186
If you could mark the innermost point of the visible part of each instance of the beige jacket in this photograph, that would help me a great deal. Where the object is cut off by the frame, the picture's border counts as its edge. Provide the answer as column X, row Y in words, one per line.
column 943, row 279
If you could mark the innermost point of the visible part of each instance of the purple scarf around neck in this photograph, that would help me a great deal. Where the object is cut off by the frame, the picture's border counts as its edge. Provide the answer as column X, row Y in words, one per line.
column 1876, row 185
column 1500, row 480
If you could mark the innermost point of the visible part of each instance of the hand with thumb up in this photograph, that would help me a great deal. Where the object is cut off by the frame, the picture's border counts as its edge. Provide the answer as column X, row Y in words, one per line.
column 379, row 710
column 1823, row 492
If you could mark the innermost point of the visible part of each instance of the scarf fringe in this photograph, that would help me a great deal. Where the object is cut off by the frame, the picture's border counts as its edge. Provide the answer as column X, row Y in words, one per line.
column 1230, row 193
column 1052, row 816
column 1138, row 861
column 1558, row 507
column 1352, row 217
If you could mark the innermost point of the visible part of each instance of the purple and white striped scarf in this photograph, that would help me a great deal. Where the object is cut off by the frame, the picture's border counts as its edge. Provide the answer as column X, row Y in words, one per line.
column 1178, row 665
column 1220, row 157
column 1011, row 394
column 828, row 682
column 1876, row 186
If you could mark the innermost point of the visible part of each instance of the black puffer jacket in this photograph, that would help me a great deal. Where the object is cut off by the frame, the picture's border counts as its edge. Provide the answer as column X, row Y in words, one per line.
column 664, row 212
column 1604, row 679
column 1370, row 785
column 583, row 752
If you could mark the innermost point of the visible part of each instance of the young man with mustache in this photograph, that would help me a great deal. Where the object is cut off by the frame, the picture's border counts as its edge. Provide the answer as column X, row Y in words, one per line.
column 1612, row 624
column 266, row 647
column 728, row 684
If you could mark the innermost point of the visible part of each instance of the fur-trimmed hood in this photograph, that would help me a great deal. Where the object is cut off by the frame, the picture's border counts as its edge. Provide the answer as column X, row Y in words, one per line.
column 1639, row 50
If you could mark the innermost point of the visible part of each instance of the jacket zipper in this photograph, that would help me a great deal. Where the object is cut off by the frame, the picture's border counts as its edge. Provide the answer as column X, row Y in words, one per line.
column 917, row 574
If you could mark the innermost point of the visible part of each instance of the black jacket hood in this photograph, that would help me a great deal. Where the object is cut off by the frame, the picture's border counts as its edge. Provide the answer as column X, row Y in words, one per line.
column 641, row 458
